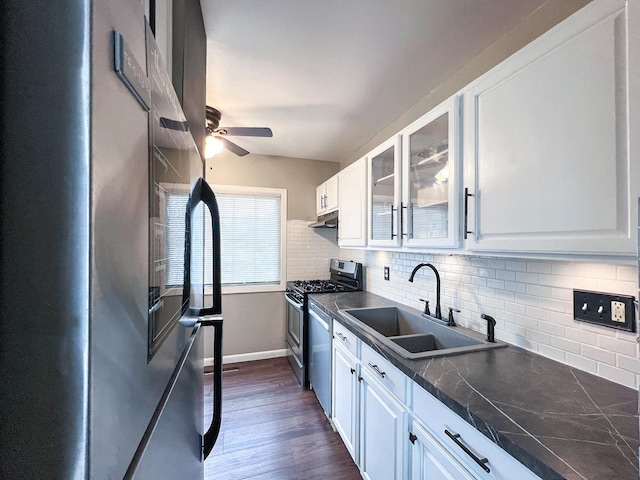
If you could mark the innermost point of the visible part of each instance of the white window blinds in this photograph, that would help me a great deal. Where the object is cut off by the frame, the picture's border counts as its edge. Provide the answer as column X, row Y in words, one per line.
column 251, row 231
column 250, row 237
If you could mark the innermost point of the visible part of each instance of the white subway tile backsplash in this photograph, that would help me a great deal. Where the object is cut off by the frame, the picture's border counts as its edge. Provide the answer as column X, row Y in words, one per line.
column 532, row 301
column 538, row 267
column 599, row 271
column 526, row 299
column 598, row 354
column 627, row 274
column 616, row 345
column 582, row 363
column 551, row 328
column 527, row 344
column 538, row 313
column 628, row 363
column 539, row 337
column 617, row 375
column 539, row 290
column 582, row 336
column 497, row 263
column 516, row 265
column 505, row 275
column 515, row 308
column 309, row 251
column 515, row 287
column 551, row 352
column 568, row 346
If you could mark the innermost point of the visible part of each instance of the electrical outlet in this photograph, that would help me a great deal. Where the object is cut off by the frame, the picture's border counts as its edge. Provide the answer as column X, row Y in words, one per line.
column 606, row 309
column 617, row 311
column 386, row 273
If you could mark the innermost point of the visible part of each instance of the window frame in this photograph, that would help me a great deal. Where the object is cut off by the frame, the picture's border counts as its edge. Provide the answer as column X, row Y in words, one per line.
column 265, row 191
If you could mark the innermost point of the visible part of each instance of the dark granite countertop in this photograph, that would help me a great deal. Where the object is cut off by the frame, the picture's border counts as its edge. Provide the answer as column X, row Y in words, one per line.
column 561, row 422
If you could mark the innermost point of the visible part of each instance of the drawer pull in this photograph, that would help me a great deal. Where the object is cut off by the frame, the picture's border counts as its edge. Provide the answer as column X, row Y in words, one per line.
column 480, row 461
column 377, row 370
column 341, row 336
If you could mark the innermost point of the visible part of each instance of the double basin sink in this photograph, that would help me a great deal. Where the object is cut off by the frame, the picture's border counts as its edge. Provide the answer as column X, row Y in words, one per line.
column 415, row 336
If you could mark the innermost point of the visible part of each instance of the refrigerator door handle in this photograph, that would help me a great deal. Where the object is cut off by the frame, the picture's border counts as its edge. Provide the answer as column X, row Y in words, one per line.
column 202, row 193
column 211, row 435
column 211, row 316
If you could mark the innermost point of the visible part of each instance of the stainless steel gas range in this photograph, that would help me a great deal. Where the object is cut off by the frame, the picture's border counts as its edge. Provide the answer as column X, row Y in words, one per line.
column 344, row 276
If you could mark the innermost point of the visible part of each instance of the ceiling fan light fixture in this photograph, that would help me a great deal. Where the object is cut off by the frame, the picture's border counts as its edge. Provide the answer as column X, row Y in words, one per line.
column 212, row 146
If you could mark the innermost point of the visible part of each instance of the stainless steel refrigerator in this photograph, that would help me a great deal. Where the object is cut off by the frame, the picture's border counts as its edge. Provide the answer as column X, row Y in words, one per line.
column 102, row 219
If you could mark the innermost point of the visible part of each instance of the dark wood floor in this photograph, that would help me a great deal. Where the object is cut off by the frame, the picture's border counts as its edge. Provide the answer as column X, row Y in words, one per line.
column 272, row 429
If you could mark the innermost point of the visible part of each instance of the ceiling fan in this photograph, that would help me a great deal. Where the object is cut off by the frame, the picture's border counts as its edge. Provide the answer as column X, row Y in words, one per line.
column 214, row 132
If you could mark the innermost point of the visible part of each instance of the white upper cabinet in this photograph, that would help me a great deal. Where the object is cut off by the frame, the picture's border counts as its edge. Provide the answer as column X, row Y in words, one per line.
column 552, row 140
column 384, row 181
column 431, row 178
column 327, row 196
column 414, row 182
column 352, row 205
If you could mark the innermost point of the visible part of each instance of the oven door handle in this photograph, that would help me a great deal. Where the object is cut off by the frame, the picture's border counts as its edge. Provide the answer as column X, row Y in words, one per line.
column 292, row 302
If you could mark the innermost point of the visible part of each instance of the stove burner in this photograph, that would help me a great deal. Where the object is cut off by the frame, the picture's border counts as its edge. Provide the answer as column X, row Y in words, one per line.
column 318, row 286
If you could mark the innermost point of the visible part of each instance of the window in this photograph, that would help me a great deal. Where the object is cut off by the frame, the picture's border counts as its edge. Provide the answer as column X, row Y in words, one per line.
column 252, row 238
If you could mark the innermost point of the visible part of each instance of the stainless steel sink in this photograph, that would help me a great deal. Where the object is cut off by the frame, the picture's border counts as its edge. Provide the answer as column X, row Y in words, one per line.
column 415, row 336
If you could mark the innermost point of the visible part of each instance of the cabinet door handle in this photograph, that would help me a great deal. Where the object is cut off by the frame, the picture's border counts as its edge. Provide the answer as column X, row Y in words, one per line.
column 466, row 212
column 341, row 336
column 377, row 370
column 393, row 235
column 402, row 210
column 480, row 461
column 353, row 370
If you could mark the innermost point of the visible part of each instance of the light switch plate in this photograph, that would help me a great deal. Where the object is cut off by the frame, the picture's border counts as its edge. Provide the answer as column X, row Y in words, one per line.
column 606, row 309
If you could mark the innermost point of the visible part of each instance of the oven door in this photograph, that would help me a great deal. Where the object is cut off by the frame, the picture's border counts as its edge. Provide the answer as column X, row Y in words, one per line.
column 295, row 337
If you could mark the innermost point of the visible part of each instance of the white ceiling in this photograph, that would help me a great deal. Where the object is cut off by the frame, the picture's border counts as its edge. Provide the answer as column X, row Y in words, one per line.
column 327, row 75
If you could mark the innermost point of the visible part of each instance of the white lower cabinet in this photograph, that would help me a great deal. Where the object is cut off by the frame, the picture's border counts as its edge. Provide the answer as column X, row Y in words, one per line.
column 430, row 460
column 395, row 430
column 383, row 424
column 345, row 397
column 482, row 458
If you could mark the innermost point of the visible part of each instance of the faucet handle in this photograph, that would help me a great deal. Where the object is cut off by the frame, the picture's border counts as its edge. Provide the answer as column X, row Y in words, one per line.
column 451, row 322
column 426, row 306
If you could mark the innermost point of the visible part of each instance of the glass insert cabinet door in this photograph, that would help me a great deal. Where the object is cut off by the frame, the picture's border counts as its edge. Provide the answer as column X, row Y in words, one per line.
column 431, row 177
column 384, row 197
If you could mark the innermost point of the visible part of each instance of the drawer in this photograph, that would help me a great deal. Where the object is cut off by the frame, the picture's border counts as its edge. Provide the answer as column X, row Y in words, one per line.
column 388, row 375
column 444, row 424
column 345, row 338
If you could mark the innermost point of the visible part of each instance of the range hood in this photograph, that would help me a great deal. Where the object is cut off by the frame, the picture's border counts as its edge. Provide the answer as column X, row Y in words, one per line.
column 330, row 220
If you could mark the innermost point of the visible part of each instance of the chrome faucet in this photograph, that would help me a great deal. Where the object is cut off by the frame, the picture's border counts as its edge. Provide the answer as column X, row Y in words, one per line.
column 418, row 267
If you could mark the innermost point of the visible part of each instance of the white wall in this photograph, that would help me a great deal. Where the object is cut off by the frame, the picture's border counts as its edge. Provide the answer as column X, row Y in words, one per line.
column 531, row 301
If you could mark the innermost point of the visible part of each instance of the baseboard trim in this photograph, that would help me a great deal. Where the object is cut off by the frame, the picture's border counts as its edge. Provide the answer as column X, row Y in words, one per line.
column 248, row 357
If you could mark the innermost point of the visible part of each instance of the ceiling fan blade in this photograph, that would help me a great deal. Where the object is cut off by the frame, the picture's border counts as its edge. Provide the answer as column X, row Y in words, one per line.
column 245, row 131
column 232, row 147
